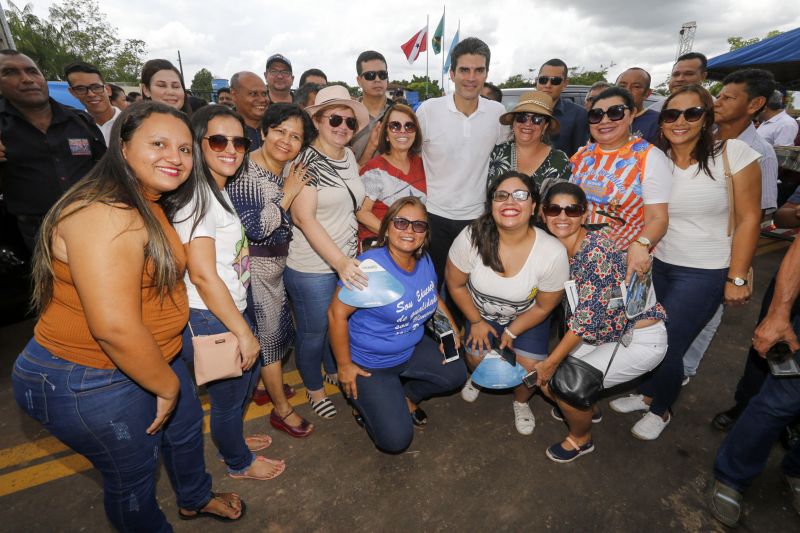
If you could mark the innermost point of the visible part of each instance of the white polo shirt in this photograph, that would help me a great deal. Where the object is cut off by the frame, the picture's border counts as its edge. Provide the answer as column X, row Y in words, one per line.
column 455, row 153
column 780, row 130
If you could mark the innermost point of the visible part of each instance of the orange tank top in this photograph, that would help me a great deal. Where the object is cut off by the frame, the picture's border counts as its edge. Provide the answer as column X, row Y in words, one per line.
column 63, row 331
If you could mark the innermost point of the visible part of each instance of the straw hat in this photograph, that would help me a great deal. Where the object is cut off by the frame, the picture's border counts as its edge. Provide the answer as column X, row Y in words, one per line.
column 336, row 95
column 533, row 102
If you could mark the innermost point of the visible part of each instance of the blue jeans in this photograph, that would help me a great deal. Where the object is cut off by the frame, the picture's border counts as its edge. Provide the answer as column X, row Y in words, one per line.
column 745, row 450
column 691, row 297
column 311, row 295
column 103, row 415
column 381, row 397
column 229, row 397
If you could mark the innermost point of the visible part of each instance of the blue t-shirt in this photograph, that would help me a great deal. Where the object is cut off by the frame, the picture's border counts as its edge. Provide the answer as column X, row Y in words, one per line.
column 646, row 126
column 382, row 337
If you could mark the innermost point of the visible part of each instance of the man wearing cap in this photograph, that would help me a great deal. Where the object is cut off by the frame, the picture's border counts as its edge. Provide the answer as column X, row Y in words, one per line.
column 636, row 81
column 373, row 78
column 777, row 127
column 249, row 95
column 87, row 85
column 459, row 132
column 279, row 79
column 574, row 130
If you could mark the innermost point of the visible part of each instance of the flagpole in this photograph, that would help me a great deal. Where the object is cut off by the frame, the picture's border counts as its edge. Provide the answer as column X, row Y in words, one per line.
column 444, row 18
column 427, row 54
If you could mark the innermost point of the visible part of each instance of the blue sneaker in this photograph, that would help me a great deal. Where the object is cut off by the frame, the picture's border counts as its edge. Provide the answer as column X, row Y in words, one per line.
column 558, row 454
column 558, row 415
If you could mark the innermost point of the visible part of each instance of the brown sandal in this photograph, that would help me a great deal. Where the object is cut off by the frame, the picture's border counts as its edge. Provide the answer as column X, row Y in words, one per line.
column 200, row 513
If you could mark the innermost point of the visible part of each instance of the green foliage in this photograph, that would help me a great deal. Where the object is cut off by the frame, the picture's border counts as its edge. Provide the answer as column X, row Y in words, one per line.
column 517, row 81
column 737, row 42
column 578, row 76
column 201, row 84
column 421, row 83
column 75, row 30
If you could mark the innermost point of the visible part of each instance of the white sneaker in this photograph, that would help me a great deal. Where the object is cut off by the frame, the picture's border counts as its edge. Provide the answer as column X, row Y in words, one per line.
column 470, row 392
column 629, row 404
column 686, row 380
column 650, row 426
column 523, row 418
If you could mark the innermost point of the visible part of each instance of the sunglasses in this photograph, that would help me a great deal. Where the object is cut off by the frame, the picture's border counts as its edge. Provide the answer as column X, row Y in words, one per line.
column 336, row 120
column 572, row 210
column 370, row 75
column 522, row 118
column 691, row 114
column 554, row 80
column 81, row 90
column 395, row 127
column 401, row 224
column 518, row 195
column 615, row 113
column 218, row 143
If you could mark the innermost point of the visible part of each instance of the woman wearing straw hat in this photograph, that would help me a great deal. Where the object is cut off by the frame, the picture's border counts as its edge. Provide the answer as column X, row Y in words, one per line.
column 324, row 239
column 529, row 151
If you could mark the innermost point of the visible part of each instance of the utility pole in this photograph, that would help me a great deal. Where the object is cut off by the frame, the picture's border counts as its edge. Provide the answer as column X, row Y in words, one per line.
column 6, row 40
column 180, row 65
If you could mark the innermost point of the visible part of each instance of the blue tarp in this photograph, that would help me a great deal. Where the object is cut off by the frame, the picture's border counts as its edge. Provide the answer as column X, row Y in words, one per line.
column 780, row 55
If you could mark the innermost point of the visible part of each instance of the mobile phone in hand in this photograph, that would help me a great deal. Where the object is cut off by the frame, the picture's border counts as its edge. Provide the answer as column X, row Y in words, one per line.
column 448, row 340
column 530, row 379
column 506, row 353
column 782, row 361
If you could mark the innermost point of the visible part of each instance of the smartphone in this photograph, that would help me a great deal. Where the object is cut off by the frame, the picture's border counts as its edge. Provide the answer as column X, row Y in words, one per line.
column 782, row 361
column 530, row 379
column 448, row 340
column 506, row 353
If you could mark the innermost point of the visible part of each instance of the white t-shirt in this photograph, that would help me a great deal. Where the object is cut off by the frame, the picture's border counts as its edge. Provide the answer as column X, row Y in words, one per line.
column 105, row 129
column 502, row 299
column 697, row 235
column 230, row 243
column 455, row 152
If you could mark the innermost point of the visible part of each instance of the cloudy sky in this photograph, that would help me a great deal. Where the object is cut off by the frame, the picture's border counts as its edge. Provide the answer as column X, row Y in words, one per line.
column 227, row 36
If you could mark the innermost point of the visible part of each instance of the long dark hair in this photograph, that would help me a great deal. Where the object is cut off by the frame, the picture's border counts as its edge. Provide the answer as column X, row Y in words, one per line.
column 157, row 65
column 392, row 211
column 706, row 148
column 113, row 182
column 485, row 237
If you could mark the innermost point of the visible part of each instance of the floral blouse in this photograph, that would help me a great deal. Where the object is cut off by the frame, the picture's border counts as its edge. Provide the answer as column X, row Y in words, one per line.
column 597, row 269
column 554, row 168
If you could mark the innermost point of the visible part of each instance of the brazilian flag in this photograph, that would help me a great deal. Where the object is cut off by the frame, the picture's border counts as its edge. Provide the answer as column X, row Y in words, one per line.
column 438, row 35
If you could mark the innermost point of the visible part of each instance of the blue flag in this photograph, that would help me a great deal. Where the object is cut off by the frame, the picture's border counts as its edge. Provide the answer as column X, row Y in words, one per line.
column 450, row 53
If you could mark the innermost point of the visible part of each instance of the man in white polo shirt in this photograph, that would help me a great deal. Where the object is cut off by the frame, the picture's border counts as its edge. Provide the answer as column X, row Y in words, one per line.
column 459, row 132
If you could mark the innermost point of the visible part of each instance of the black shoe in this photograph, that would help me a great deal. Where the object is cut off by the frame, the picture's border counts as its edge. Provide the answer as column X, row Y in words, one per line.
column 725, row 420
column 358, row 418
column 419, row 418
column 790, row 436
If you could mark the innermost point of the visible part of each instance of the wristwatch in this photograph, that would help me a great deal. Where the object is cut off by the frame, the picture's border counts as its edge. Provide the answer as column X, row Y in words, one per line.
column 739, row 282
column 644, row 241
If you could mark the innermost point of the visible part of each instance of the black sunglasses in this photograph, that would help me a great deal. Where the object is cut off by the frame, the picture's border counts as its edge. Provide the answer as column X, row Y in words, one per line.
column 518, row 195
column 218, row 143
column 395, row 127
column 692, row 114
column 419, row 226
column 554, row 80
column 572, row 210
column 522, row 118
column 371, row 74
column 615, row 113
column 336, row 120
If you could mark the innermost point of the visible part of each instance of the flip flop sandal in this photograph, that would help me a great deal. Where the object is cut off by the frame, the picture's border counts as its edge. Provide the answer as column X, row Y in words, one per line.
column 199, row 513
column 281, row 466
column 259, row 442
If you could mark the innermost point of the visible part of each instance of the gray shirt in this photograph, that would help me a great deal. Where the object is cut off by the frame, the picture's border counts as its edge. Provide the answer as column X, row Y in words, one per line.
column 768, row 163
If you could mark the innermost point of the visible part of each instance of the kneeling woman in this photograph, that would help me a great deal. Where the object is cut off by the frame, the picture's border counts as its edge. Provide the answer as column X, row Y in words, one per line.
column 386, row 365
column 594, row 330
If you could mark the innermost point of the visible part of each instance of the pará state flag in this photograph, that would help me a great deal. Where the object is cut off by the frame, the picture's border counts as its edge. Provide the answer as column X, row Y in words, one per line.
column 416, row 45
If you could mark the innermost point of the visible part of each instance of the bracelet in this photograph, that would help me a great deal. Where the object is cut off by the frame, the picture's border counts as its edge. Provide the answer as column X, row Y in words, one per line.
column 476, row 322
column 508, row 332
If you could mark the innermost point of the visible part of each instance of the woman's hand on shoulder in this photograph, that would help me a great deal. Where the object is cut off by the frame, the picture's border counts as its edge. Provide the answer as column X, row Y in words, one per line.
column 296, row 179
column 347, row 378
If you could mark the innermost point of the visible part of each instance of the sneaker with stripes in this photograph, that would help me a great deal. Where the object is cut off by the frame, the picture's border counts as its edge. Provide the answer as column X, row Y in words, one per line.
column 324, row 407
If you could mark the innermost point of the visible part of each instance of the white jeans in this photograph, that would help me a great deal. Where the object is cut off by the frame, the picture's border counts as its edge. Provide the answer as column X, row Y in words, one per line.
column 645, row 352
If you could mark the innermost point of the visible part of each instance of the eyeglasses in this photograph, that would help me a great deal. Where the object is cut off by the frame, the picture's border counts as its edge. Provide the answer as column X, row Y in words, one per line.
column 554, row 80
column 395, row 127
column 371, row 74
column 691, row 114
column 518, row 195
column 615, row 113
column 279, row 73
column 219, row 143
column 572, row 210
column 336, row 120
column 81, row 90
column 419, row 226
column 522, row 118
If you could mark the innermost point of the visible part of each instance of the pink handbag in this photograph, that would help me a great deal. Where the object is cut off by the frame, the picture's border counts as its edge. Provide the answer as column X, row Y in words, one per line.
column 216, row 356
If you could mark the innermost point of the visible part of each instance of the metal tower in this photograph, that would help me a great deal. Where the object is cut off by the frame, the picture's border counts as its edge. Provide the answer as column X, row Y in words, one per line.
column 686, row 38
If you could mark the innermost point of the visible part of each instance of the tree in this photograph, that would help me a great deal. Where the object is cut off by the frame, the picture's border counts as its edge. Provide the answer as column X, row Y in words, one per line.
column 517, row 81
column 737, row 42
column 39, row 40
column 419, row 84
column 578, row 76
column 201, row 84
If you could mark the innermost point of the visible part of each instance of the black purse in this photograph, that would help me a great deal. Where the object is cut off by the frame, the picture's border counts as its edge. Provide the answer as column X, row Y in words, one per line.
column 578, row 383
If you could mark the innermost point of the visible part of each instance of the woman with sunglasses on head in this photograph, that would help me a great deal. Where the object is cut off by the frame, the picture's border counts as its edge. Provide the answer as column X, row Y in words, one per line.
column 162, row 82
column 530, row 151
column 218, row 273
column 262, row 196
column 596, row 330
column 701, row 261
column 102, row 372
column 386, row 365
column 507, row 276
column 324, row 240
column 626, row 179
column 396, row 172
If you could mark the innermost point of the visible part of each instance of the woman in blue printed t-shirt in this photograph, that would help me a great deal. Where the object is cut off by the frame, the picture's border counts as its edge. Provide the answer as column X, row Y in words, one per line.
column 386, row 365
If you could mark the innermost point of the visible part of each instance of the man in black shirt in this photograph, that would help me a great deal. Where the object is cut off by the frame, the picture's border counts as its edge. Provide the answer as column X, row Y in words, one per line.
column 572, row 119
column 45, row 147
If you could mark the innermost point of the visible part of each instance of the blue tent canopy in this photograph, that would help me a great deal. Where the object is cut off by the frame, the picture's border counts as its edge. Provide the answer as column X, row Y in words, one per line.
column 780, row 55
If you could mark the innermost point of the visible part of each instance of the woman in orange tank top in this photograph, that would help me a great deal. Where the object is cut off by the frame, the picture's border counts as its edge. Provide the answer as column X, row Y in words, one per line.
column 102, row 372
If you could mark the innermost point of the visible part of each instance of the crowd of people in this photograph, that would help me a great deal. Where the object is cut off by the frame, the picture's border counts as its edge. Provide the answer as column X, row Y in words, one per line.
column 153, row 223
